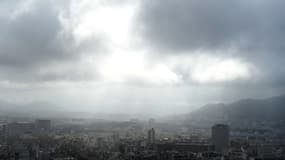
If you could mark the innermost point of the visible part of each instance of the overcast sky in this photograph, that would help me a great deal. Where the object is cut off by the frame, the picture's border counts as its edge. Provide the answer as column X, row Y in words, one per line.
column 144, row 56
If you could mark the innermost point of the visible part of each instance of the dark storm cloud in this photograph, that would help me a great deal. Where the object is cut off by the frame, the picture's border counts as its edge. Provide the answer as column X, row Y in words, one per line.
column 30, row 37
column 192, row 24
column 254, row 29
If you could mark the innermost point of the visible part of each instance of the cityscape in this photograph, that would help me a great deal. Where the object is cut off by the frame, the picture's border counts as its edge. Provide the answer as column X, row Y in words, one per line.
column 142, row 80
column 25, row 138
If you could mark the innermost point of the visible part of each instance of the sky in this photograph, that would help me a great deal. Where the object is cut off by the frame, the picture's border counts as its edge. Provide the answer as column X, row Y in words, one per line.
column 145, row 56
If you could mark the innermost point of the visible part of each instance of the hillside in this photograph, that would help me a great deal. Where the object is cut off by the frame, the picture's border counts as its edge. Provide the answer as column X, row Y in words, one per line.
column 246, row 109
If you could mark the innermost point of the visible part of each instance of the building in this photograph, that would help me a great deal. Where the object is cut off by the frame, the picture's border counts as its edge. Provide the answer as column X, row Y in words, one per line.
column 268, row 152
column 220, row 137
column 18, row 128
column 185, row 147
column 151, row 136
column 43, row 126
column 283, row 152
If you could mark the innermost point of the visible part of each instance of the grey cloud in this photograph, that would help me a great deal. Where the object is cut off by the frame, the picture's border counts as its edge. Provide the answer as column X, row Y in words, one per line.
column 34, row 50
column 191, row 24
column 254, row 29
column 30, row 38
column 33, row 40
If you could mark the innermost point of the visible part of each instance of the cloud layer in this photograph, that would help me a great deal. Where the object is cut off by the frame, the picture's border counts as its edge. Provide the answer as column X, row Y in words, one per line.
column 252, row 31
column 136, row 51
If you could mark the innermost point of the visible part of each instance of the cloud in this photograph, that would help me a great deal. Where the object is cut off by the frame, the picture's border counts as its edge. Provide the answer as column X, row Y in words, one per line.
column 248, row 30
column 29, row 36
column 36, row 44
column 140, row 55
column 191, row 25
column 77, row 41
column 135, row 68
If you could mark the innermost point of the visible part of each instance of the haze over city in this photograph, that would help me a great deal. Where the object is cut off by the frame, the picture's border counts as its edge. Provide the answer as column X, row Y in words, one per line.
column 142, row 80
column 158, row 57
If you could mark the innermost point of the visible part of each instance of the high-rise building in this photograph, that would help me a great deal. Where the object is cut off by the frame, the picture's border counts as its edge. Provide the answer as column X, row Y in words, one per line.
column 283, row 152
column 151, row 136
column 220, row 137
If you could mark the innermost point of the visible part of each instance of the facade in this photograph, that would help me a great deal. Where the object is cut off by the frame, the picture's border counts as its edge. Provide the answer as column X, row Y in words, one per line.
column 151, row 136
column 220, row 137
column 185, row 147
column 43, row 125
column 18, row 129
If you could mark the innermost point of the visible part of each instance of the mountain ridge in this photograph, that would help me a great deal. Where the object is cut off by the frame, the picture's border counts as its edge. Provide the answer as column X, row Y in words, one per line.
column 271, row 108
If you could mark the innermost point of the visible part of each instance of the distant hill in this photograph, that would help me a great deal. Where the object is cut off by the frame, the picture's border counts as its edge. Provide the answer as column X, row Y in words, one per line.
column 246, row 109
